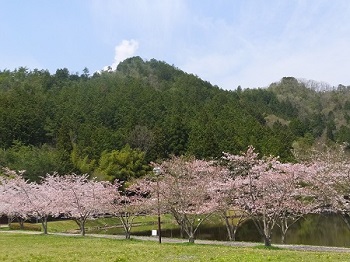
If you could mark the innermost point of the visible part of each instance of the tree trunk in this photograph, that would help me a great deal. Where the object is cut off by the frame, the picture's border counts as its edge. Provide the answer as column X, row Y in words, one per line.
column 229, row 229
column 191, row 238
column 267, row 241
column 191, row 234
column 234, row 233
column 81, row 224
column 182, row 229
column 126, row 225
column 10, row 220
column 283, row 237
column 285, row 224
column 268, row 226
column 44, row 224
column 82, row 229
column 284, row 229
column 21, row 223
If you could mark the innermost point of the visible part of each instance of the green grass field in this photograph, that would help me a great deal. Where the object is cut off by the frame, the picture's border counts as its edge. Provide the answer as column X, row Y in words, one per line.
column 140, row 224
column 23, row 247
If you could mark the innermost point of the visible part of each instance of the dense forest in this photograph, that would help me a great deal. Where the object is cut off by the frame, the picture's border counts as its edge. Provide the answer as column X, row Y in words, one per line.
column 112, row 124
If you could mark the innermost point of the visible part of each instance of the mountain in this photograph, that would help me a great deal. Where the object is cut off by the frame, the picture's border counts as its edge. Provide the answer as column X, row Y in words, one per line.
column 323, row 111
column 67, row 122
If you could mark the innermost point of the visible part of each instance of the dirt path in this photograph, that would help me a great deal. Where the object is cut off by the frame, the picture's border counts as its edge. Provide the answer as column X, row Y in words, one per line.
column 202, row 242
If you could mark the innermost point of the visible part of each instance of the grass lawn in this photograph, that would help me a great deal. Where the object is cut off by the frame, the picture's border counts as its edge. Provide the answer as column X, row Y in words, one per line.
column 22, row 247
column 141, row 223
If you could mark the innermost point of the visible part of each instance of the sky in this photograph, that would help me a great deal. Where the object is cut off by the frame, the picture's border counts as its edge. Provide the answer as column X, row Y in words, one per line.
column 229, row 43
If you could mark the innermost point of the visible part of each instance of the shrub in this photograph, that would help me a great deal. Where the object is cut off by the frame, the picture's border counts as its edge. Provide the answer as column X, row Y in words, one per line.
column 27, row 226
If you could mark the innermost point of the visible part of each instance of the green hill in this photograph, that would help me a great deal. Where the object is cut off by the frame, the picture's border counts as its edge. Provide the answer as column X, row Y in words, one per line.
column 68, row 122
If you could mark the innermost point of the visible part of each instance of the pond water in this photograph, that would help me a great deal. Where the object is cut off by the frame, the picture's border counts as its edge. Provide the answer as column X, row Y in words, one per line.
column 323, row 230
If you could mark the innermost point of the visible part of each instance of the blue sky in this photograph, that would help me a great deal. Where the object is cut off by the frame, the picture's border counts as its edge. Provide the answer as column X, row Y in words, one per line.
column 251, row 43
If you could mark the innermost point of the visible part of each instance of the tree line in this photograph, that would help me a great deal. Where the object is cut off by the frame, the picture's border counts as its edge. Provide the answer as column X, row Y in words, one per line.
column 246, row 186
column 148, row 110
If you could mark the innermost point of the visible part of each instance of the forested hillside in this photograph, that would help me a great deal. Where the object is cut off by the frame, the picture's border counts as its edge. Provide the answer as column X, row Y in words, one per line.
column 321, row 112
column 112, row 124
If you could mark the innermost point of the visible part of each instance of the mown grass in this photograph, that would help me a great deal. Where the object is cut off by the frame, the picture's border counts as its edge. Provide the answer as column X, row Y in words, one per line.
column 141, row 224
column 21, row 247
column 101, row 225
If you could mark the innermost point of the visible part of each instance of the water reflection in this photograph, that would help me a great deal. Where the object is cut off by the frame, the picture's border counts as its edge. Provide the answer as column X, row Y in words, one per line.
column 323, row 230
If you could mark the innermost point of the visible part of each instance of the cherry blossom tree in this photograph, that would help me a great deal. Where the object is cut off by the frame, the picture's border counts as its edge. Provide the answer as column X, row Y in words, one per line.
column 188, row 189
column 128, row 204
column 14, row 196
column 331, row 179
column 36, row 198
column 265, row 189
column 4, row 202
column 299, row 197
column 42, row 199
column 232, row 215
column 79, row 198
column 229, row 209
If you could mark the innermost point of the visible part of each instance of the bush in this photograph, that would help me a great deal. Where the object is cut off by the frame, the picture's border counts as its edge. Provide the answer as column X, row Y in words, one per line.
column 27, row 226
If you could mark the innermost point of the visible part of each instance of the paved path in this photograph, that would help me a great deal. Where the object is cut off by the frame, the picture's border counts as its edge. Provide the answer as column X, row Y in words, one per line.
column 203, row 242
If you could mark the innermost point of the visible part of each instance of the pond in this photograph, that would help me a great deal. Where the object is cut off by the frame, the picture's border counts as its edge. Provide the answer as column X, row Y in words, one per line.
column 322, row 230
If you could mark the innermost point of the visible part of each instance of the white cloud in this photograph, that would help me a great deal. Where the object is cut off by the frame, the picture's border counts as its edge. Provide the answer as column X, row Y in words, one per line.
column 126, row 49
column 245, row 43
column 158, row 24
